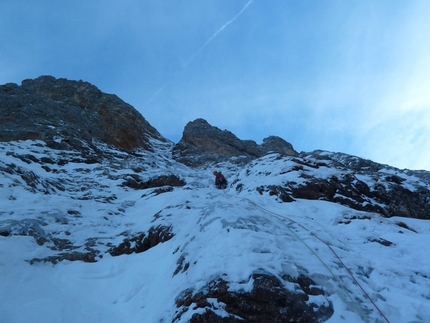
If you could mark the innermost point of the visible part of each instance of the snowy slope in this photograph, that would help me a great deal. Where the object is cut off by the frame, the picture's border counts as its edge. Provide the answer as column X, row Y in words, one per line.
column 372, row 269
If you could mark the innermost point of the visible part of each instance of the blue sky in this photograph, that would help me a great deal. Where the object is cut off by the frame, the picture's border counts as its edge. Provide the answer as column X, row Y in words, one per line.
column 349, row 76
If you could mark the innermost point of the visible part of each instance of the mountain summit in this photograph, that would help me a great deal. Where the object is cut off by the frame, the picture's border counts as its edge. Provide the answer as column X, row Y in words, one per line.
column 202, row 143
column 47, row 108
column 104, row 220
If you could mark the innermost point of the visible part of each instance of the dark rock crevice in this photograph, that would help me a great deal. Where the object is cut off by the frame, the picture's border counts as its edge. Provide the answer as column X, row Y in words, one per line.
column 141, row 242
column 134, row 181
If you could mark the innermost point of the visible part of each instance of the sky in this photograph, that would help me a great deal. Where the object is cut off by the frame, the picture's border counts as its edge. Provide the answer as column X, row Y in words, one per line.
column 344, row 76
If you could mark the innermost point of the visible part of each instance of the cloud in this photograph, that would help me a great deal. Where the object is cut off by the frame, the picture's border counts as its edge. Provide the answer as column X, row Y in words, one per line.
column 374, row 102
column 400, row 116
column 402, row 139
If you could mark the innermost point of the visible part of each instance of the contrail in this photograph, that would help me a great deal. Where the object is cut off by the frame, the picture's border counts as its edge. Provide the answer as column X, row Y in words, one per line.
column 155, row 95
column 201, row 48
column 214, row 35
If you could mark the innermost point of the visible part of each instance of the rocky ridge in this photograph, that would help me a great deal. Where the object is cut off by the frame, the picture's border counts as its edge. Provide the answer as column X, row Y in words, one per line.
column 70, row 114
column 344, row 179
column 202, row 143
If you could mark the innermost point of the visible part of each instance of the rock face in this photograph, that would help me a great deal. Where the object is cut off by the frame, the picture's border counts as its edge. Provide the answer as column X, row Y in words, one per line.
column 358, row 183
column 279, row 145
column 64, row 113
column 269, row 301
column 202, row 143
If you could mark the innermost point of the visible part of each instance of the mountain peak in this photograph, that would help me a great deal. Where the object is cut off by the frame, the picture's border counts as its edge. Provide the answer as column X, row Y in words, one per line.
column 202, row 143
column 65, row 113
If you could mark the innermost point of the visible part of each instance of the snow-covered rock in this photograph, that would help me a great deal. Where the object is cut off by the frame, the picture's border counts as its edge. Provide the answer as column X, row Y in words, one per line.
column 91, row 232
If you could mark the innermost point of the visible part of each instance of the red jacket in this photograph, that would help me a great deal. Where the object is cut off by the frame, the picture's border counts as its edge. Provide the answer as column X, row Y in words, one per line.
column 218, row 176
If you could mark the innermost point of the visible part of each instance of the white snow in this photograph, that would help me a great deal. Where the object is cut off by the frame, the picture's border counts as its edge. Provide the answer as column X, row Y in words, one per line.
column 218, row 233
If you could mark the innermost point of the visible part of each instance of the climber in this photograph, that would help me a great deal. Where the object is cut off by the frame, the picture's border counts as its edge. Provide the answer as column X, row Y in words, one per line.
column 220, row 180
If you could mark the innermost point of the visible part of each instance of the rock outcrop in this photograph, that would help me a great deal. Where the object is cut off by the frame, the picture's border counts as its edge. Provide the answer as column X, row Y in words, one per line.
column 67, row 113
column 202, row 143
column 268, row 301
column 357, row 183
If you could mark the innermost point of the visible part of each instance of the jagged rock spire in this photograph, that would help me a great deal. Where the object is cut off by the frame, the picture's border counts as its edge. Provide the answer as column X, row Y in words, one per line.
column 202, row 143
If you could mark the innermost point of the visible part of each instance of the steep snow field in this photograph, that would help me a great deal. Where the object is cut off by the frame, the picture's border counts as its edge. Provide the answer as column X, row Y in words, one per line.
column 227, row 233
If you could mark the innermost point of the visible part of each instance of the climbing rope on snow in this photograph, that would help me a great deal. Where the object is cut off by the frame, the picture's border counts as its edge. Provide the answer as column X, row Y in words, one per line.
column 362, row 314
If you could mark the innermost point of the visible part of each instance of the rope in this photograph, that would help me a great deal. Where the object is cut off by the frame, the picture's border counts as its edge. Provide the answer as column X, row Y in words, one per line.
column 335, row 254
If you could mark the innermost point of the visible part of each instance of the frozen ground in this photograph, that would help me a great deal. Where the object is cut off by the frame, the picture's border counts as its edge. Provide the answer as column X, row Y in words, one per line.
column 217, row 232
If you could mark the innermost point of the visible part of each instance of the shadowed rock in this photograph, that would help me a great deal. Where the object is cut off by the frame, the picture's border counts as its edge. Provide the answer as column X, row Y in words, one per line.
column 134, row 181
column 67, row 113
column 142, row 242
column 268, row 301
column 202, row 143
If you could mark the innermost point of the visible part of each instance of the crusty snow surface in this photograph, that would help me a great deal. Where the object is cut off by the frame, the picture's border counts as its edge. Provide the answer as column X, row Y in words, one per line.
column 220, row 233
